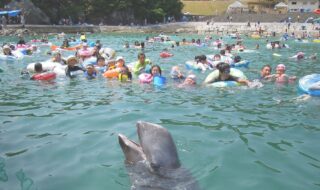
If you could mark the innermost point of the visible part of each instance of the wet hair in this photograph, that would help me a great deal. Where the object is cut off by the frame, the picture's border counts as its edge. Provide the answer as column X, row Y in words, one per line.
column 237, row 59
column 125, row 71
column 217, row 55
column 140, row 54
column 222, row 67
column 38, row 67
column 199, row 58
column 100, row 58
column 266, row 66
column 154, row 67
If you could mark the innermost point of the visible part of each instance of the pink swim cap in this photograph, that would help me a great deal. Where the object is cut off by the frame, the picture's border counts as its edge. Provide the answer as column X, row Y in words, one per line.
column 281, row 67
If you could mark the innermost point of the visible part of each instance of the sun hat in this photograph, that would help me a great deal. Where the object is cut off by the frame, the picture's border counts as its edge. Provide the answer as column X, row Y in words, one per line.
column 281, row 67
column 70, row 58
column 89, row 66
column 192, row 76
column 5, row 47
column 119, row 58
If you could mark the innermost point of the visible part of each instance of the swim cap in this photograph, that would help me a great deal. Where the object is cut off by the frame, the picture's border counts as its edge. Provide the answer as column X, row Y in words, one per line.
column 281, row 67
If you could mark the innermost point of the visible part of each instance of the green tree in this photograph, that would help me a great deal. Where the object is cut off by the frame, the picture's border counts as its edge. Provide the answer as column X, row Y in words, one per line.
column 110, row 11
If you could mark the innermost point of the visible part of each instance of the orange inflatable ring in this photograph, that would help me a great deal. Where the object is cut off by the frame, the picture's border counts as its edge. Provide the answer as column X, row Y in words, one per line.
column 111, row 73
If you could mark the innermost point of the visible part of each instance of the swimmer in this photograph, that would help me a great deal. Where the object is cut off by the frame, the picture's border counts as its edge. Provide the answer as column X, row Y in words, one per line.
column 141, row 64
column 224, row 75
column 155, row 70
column 265, row 72
column 280, row 76
column 176, row 74
column 90, row 72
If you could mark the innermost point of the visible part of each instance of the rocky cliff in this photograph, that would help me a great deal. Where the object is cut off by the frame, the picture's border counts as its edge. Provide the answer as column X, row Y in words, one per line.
column 33, row 15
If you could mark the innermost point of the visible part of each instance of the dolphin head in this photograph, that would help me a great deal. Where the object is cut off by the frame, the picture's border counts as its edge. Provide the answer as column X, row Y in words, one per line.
column 132, row 151
column 157, row 145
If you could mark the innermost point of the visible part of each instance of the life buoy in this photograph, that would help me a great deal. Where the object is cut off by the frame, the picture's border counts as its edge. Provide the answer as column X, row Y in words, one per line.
column 111, row 73
column 223, row 84
column 215, row 74
column 74, row 48
column 307, row 84
column 165, row 54
column 44, row 76
column 85, row 53
column 243, row 63
column 145, row 78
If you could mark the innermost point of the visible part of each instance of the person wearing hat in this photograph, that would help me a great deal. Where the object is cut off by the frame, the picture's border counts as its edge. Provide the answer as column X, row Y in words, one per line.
column 280, row 76
column 71, row 62
column 90, row 72
column 7, row 50
column 124, row 72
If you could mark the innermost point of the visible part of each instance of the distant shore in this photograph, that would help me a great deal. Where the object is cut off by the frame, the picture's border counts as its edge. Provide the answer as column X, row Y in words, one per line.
column 178, row 27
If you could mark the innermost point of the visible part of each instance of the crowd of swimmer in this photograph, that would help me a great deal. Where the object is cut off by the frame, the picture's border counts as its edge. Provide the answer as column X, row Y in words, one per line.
column 97, row 61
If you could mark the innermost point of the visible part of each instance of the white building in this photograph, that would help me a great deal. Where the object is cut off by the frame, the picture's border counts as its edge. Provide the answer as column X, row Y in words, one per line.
column 302, row 5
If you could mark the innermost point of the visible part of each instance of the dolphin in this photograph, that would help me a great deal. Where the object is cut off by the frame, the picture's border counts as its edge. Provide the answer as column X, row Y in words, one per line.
column 154, row 163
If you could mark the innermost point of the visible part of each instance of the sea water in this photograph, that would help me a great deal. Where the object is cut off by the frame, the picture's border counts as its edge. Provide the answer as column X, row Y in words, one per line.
column 63, row 134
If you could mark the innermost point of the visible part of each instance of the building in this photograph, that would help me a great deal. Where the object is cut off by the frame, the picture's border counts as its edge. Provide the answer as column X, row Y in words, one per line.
column 262, row 6
column 302, row 5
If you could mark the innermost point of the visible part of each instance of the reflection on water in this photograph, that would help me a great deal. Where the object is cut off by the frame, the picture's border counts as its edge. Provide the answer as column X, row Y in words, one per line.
column 63, row 135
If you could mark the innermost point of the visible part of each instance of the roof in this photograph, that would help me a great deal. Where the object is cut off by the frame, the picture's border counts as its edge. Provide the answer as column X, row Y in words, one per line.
column 10, row 13
column 236, row 4
column 281, row 5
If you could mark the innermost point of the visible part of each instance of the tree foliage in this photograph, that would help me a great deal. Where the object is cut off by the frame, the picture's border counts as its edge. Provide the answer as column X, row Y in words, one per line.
column 110, row 11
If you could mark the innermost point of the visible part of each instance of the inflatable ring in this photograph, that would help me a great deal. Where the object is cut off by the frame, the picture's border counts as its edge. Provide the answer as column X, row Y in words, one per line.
column 165, row 54
column 111, row 73
column 145, row 78
column 234, row 72
column 223, row 84
column 44, row 76
column 306, row 82
column 243, row 63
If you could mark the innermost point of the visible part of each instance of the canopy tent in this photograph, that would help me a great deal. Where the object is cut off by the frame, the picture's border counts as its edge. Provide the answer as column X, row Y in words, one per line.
column 236, row 4
column 281, row 5
column 10, row 13
column 236, row 7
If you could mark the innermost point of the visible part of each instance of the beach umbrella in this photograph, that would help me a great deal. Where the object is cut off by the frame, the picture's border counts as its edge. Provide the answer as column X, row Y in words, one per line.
column 316, row 11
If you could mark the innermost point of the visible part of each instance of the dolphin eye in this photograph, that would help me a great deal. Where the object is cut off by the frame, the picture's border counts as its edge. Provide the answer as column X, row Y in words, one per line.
column 154, row 166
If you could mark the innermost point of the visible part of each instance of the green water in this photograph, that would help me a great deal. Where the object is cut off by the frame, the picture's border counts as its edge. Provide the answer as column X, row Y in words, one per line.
column 63, row 135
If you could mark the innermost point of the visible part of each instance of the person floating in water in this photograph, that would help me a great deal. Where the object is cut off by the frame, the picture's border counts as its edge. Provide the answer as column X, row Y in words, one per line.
column 280, row 76
column 141, row 64
column 225, row 75
column 265, row 72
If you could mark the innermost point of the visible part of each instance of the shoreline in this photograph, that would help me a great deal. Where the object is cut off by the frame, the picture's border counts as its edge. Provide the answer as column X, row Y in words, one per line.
column 178, row 27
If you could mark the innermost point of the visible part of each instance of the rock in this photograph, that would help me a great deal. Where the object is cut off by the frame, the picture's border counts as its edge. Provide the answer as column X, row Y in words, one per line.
column 33, row 15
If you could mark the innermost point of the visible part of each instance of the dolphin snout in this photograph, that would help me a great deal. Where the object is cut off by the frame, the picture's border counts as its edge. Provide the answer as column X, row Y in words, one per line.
column 132, row 151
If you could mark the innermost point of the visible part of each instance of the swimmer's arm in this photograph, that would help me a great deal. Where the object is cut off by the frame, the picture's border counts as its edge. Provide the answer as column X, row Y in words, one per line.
column 243, row 81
